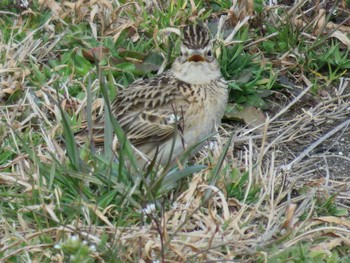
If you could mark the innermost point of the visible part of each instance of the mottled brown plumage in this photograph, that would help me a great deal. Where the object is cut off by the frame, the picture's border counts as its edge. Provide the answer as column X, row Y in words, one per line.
column 184, row 104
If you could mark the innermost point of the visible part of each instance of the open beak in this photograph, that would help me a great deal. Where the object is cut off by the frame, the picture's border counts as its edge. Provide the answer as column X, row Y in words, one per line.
column 196, row 58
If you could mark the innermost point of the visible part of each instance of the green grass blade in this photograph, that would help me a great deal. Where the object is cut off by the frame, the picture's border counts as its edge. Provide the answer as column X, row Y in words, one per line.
column 173, row 177
column 108, row 133
column 218, row 166
column 89, row 110
column 71, row 146
column 126, row 145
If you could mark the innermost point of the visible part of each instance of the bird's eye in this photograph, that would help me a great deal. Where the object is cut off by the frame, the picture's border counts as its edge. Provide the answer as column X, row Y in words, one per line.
column 181, row 54
column 209, row 53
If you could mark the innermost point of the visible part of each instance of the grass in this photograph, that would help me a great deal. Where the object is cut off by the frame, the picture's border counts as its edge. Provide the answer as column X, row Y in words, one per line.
column 64, row 201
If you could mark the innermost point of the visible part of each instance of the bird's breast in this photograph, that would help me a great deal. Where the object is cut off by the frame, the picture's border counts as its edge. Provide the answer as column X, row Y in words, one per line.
column 205, row 114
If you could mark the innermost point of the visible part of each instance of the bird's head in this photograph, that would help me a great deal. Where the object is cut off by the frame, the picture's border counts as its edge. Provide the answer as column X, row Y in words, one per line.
column 196, row 44
column 196, row 63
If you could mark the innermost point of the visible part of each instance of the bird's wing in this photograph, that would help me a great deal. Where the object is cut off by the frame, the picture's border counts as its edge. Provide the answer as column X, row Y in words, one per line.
column 152, row 111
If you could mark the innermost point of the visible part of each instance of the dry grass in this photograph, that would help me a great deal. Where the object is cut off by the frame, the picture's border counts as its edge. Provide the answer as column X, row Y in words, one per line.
column 276, row 194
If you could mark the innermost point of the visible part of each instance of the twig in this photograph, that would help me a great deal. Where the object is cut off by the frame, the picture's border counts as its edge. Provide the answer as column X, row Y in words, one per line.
column 260, row 40
column 296, row 99
column 315, row 144
column 8, row 13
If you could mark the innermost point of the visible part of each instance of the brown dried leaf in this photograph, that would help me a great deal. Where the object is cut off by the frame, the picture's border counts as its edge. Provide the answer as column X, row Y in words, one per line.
column 321, row 22
column 96, row 53
column 334, row 220
column 100, row 215
column 239, row 10
column 121, row 28
column 52, row 5
column 328, row 245
column 288, row 223
column 251, row 116
column 341, row 37
column 106, row 3
column 341, row 28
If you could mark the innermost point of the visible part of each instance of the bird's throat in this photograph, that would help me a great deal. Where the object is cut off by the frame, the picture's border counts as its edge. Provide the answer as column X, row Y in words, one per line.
column 197, row 72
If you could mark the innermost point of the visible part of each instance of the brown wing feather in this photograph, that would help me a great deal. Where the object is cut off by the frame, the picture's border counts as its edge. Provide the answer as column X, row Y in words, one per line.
column 150, row 110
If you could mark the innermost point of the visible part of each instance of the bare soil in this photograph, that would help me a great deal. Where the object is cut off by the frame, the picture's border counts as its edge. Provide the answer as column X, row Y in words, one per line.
column 308, row 142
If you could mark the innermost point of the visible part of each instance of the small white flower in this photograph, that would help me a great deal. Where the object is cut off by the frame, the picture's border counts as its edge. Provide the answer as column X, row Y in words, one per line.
column 57, row 246
column 92, row 248
column 212, row 145
column 149, row 209
column 24, row 3
column 74, row 238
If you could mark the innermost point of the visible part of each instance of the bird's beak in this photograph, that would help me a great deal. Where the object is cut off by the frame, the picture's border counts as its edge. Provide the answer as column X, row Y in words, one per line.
column 196, row 58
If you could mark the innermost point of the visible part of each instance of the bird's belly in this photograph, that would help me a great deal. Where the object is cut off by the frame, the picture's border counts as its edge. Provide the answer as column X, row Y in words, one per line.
column 200, row 128
column 205, row 122
column 190, row 139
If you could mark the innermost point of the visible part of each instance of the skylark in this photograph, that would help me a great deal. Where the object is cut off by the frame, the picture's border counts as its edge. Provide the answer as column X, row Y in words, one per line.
column 172, row 112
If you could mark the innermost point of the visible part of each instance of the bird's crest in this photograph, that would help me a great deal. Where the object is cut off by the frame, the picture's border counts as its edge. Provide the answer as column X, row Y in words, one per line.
column 195, row 36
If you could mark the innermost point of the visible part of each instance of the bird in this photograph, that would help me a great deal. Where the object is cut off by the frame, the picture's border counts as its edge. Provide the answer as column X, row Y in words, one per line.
column 168, row 114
